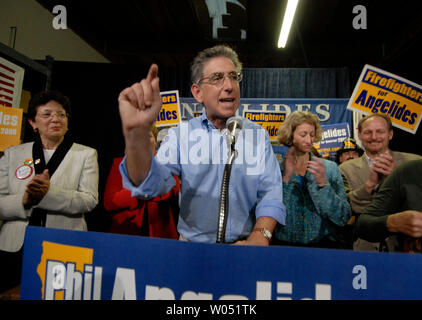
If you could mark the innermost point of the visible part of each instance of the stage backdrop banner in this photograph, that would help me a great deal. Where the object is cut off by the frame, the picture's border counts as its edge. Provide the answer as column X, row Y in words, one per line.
column 379, row 91
column 329, row 111
column 60, row 264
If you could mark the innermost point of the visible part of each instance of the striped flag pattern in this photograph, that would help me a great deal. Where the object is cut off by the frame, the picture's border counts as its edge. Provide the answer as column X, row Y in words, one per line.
column 11, row 78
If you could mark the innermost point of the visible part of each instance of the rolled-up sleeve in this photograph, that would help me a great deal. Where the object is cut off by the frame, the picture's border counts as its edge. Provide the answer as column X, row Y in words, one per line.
column 270, row 191
column 158, row 181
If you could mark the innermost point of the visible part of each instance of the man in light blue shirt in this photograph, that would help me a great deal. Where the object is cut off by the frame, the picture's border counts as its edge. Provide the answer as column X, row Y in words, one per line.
column 197, row 151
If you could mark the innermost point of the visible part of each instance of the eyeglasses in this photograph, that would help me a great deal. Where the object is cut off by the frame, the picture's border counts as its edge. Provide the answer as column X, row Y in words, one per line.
column 217, row 78
column 49, row 115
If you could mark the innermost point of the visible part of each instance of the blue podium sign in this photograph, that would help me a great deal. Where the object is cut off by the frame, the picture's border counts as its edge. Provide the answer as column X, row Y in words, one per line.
column 60, row 264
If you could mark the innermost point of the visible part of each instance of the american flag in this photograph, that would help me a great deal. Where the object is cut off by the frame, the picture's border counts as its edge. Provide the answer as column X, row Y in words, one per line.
column 11, row 78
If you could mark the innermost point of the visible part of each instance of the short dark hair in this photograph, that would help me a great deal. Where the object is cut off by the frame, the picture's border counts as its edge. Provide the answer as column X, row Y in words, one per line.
column 43, row 97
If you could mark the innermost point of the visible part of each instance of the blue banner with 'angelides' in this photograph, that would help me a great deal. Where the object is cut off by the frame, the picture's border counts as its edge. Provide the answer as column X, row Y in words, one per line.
column 329, row 111
column 76, row 265
column 271, row 113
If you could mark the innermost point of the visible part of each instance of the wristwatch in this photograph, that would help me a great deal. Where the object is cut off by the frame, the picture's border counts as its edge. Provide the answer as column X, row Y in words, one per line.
column 265, row 232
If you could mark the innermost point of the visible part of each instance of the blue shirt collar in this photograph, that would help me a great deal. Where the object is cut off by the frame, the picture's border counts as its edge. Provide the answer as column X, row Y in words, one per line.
column 206, row 122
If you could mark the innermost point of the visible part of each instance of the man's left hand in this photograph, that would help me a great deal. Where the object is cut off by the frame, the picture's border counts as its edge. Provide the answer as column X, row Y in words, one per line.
column 256, row 238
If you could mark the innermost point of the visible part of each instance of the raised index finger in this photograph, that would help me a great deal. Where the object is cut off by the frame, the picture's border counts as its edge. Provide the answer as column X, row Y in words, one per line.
column 152, row 73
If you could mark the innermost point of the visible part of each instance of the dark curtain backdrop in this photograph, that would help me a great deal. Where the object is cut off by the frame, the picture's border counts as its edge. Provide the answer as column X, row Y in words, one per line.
column 295, row 83
column 93, row 89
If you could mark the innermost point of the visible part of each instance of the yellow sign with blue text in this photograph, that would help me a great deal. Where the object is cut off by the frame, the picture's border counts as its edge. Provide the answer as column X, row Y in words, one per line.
column 378, row 91
column 270, row 120
column 10, row 127
column 170, row 110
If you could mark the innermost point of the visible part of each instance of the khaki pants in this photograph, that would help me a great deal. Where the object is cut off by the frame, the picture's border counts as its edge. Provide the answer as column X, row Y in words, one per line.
column 363, row 245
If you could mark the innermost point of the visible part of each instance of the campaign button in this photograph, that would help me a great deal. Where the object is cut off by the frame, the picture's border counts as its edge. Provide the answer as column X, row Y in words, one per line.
column 23, row 172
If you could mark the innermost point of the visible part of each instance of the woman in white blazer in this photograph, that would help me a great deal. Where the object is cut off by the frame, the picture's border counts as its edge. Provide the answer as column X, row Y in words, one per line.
column 51, row 182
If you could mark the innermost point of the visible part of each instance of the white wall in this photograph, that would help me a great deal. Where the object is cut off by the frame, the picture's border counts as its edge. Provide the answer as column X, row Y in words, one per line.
column 36, row 38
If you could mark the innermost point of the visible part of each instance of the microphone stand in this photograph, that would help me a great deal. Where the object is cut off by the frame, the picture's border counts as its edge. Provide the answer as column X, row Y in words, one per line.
column 224, row 196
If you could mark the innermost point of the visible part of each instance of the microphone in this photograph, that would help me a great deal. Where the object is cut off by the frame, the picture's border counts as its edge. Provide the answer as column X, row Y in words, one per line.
column 234, row 124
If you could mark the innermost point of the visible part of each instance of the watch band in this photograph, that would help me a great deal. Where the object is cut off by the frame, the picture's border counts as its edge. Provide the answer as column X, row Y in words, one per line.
column 265, row 232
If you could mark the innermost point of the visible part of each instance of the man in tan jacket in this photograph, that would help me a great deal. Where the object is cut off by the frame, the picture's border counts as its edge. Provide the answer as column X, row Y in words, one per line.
column 363, row 176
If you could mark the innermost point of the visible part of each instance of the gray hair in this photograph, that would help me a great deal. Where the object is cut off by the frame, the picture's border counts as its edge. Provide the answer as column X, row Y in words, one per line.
column 198, row 62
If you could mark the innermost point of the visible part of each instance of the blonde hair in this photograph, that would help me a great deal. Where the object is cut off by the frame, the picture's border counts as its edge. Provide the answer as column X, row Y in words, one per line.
column 154, row 131
column 296, row 118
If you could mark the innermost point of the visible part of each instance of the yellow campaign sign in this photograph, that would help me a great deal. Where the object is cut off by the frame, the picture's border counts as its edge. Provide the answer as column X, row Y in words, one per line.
column 10, row 127
column 378, row 91
column 170, row 110
column 270, row 121
column 53, row 259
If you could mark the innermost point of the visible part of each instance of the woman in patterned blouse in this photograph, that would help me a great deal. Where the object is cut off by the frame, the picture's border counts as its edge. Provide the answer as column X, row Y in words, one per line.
column 313, row 189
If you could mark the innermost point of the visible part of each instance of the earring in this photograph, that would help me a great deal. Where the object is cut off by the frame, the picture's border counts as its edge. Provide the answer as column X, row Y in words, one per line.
column 35, row 130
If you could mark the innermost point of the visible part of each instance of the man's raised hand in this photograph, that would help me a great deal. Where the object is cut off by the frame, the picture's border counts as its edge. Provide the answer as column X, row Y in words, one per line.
column 140, row 104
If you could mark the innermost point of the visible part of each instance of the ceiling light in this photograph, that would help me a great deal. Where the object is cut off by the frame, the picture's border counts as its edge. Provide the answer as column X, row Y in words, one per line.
column 287, row 22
